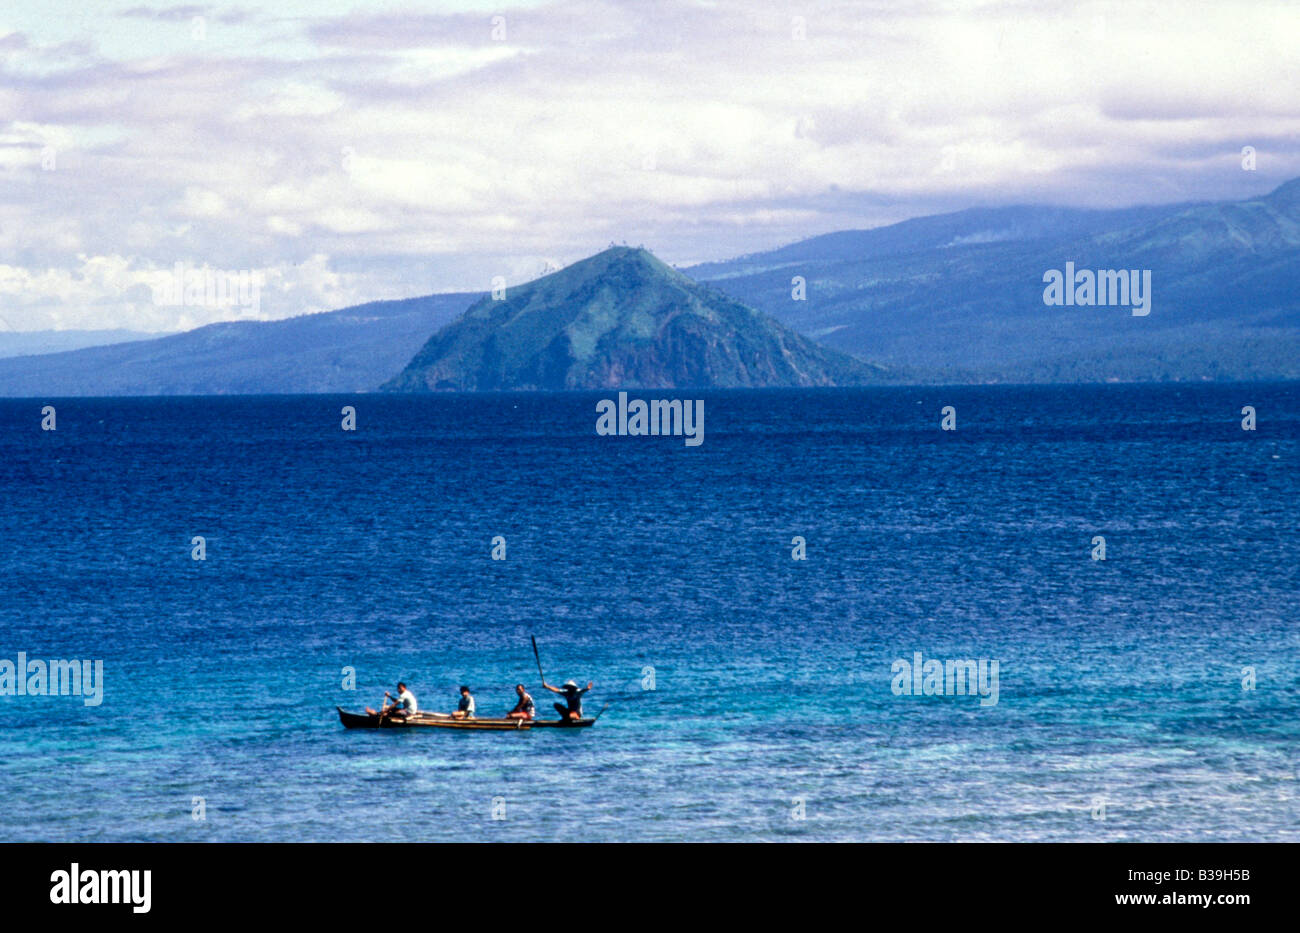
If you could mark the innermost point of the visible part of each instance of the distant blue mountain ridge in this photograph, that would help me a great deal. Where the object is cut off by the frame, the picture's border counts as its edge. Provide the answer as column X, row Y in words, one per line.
column 351, row 350
column 952, row 298
column 35, row 342
column 959, row 297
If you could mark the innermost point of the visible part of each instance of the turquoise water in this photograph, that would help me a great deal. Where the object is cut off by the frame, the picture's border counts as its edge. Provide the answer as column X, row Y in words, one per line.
column 1120, row 680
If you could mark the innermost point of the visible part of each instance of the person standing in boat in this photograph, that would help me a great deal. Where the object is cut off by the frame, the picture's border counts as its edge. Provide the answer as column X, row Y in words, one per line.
column 571, row 708
column 525, row 708
column 403, row 705
column 464, row 709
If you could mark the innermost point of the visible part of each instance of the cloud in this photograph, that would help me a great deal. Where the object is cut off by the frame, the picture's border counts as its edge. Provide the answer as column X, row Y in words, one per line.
column 179, row 13
column 396, row 153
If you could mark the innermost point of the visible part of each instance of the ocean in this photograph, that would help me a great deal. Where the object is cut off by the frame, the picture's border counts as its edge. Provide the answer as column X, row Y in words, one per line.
column 746, row 695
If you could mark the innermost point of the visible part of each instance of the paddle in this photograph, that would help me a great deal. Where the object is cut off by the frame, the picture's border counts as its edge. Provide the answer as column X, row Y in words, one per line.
column 538, row 658
column 383, row 711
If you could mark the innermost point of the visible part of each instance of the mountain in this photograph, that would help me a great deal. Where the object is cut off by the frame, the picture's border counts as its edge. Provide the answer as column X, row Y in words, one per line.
column 943, row 299
column 351, row 350
column 959, row 297
column 934, row 232
column 33, row 342
column 620, row 319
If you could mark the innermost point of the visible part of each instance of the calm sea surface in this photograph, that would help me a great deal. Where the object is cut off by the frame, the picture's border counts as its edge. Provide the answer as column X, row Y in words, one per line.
column 1120, row 686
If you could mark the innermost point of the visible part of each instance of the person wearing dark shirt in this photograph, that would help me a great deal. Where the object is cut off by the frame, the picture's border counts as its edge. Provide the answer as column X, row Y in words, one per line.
column 571, row 708
column 524, row 709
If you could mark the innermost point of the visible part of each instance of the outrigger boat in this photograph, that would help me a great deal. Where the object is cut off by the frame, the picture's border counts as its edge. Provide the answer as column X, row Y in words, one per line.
column 370, row 720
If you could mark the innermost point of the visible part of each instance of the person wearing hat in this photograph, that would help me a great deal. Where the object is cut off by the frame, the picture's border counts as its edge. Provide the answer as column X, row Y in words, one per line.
column 571, row 708
column 464, row 709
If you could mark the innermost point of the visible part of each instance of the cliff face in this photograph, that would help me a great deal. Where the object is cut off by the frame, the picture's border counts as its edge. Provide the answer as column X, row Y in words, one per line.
column 620, row 319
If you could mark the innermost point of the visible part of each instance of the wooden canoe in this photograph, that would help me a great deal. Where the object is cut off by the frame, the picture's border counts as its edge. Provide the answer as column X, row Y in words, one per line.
column 425, row 721
column 446, row 721
column 528, row 723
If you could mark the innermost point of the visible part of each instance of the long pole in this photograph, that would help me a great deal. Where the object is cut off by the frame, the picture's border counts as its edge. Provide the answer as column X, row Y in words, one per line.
column 538, row 658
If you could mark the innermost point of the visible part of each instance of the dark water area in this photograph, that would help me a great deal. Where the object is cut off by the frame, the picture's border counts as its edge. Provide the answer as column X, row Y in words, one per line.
column 1120, row 711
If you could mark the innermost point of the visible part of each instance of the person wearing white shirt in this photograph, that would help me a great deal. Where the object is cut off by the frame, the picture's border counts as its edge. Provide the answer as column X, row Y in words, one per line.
column 404, row 704
column 465, row 709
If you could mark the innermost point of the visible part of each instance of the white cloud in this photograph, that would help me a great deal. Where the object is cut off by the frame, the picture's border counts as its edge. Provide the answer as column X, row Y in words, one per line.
column 200, row 202
column 422, row 155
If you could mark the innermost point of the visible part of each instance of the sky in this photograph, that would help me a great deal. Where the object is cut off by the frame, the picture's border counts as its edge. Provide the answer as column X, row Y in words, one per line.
column 342, row 152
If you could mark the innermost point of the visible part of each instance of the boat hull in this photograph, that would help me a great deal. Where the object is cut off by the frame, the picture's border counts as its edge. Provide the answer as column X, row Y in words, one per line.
column 447, row 721
column 563, row 723
column 369, row 721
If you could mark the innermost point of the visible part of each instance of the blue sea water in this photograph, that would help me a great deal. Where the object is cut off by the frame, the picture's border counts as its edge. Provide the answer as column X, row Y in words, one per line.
column 1121, row 681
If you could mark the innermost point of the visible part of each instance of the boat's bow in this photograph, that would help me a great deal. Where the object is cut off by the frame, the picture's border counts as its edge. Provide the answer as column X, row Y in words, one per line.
column 357, row 720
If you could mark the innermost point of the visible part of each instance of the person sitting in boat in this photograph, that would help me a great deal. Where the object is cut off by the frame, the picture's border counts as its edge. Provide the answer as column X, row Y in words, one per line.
column 571, row 708
column 403, row 704
column 524, row 709
column 465, row 709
